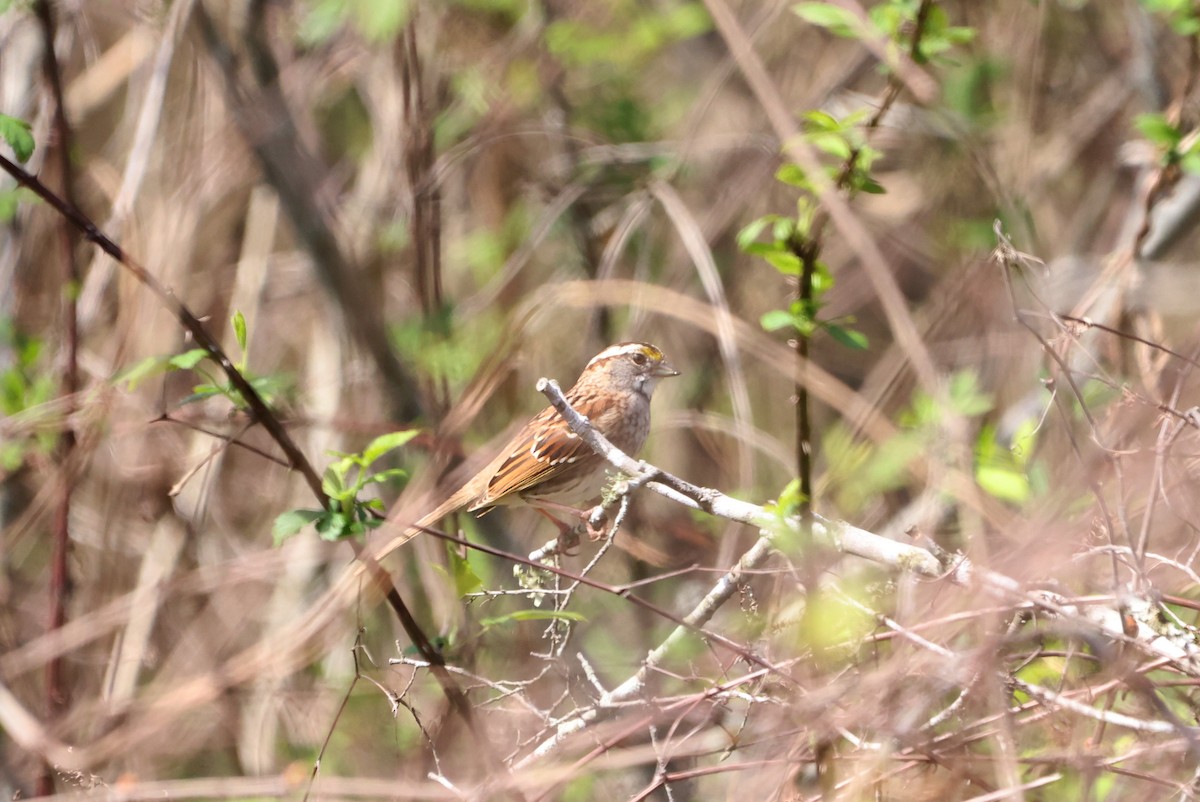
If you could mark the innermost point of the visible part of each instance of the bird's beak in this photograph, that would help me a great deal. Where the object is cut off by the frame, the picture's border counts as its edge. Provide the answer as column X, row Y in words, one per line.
column 664, row 370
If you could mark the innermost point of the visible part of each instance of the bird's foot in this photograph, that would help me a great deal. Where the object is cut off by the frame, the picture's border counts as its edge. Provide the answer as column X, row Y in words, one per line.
column 568, row 539
column 596, row 523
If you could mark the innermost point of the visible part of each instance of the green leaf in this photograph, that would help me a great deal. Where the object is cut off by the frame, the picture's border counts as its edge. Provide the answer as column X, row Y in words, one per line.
column 8, row 205
column 18, row 135
column 747, row 236
column 789, row 500
column 333, row 483
column 547, row 615
column 1003, row 483
column 532, row 615
column 1190, row 162
column 11, row 199
column 864, row 183
column 891, row 17
column 848, row 337
column 822, row 279
column 777, row 319
column 793, row 176
column 835, row 19
column 867, row 156
column 188, row 359
column 201, row 392
column 380, row 20
column 12, row 456
column 239, row 329
column 834, row 144
column 465, row 579
column 342, row 467
column 149, row 366
column 1024, row 442
column 1180, row 14
column 322, row 21
column 387, row 442
column 966, row 396
column 269, row 387
column 1185, row 26
column 291, row 522
column 763, row 248
column 785, row 262
column 1156, row 129
column 783, row 229
column 959, row 34
column 385, row 476
column 332, row 526
column 821, row 121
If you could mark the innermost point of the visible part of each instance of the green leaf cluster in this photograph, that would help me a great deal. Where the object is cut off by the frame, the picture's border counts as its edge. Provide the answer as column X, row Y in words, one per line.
column 11, row 199
column 859, row 471
column 377, row 21
column 789, row 537
column 344, row 481
column 271, row 388
column 792, row 245
column 1169, row 140
column 639, row 35
column 606, row 56
column 471, row 90
column 447, row 346
column 963, row 394
column 782, row 250
column 894, row 20
column 1182, row 15
column 790, row 241
column 19, row 136
column 1007, row 472
column 846, row 141
column 25, row 384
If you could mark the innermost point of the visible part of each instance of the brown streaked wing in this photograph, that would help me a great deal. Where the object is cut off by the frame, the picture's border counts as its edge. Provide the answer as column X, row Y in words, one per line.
column 535, row 458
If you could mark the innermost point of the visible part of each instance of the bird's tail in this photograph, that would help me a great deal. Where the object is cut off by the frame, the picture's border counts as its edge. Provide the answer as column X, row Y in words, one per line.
column 456, row 502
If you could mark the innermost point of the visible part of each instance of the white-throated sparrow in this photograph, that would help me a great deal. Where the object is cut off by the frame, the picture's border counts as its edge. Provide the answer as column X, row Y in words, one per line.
column 548, row 466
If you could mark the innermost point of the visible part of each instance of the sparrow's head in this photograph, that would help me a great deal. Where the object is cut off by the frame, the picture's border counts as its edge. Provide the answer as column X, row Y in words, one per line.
column 632, row 367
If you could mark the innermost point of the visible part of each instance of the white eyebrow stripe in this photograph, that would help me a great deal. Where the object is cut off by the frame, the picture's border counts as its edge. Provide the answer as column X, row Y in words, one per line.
column 618, row 350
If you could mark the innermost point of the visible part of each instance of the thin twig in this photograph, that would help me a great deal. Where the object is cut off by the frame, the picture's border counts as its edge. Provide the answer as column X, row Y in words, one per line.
column 62, row 138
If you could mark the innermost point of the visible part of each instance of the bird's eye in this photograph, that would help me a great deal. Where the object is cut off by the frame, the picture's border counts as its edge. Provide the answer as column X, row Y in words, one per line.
column 639, row 359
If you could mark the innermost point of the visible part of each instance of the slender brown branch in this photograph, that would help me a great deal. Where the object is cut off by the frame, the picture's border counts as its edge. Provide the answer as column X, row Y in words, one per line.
column 188, row 319
column 808, row 247
column 1091, row 324
column 60, row 587
column 419, row 161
